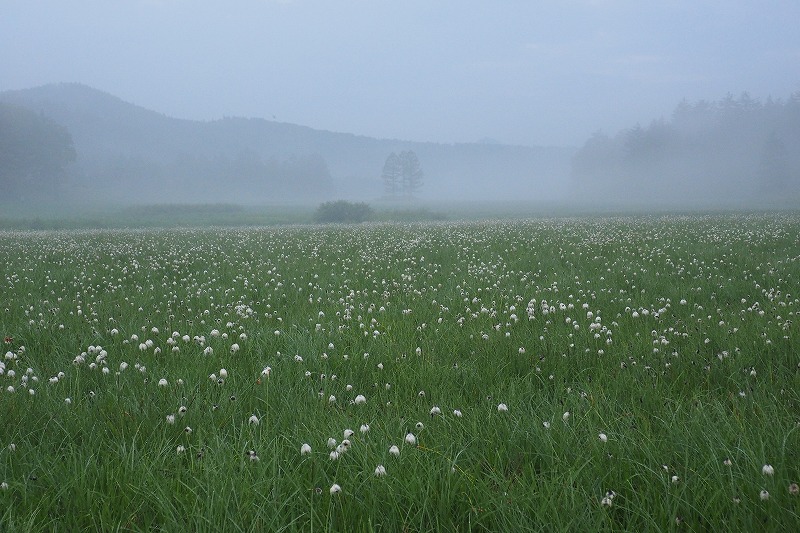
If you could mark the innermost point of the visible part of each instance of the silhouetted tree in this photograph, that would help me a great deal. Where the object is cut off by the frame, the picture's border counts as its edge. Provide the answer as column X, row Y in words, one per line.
column 391, row 175
column 411, row 174
column 402, row 175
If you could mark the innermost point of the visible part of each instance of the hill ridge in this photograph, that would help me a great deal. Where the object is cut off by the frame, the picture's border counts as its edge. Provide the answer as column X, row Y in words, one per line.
column 119, row 142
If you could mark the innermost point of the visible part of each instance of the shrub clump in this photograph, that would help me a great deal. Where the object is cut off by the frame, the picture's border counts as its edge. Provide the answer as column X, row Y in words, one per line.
column 343, row 211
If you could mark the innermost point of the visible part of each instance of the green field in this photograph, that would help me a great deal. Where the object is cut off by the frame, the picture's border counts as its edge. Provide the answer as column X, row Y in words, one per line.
column 588, row 373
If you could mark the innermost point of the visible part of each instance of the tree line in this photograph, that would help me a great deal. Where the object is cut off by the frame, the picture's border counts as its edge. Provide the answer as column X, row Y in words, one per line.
column 38, row 161
column 737, row 146
column 34, row 152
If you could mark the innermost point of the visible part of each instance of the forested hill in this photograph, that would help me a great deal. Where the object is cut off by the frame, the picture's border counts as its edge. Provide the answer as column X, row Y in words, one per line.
column 733, row 149
column 128, row 153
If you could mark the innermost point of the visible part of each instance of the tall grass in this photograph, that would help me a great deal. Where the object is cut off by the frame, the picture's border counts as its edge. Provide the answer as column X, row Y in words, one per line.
column 674, row 337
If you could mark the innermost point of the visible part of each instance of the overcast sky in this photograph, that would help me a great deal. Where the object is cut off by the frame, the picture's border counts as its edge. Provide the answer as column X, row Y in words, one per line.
column 526, row 72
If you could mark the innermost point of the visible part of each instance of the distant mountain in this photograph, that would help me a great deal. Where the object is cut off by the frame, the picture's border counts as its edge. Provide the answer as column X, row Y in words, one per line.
column 128, row 153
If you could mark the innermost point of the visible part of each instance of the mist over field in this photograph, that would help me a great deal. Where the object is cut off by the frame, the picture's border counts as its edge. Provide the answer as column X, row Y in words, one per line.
column 604, row 105
column 124, row 153
column 421, row 265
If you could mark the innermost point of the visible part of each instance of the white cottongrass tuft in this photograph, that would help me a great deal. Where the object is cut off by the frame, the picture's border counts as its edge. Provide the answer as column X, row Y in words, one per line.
column 335, row 489
column 305, row 449
column 502, row 408
column 764, row 495
column 380, row 471
column 361, row 399
column 767, row 470
column 411, row 439
column 603, row 437
column 394, row 450
column 253, row 420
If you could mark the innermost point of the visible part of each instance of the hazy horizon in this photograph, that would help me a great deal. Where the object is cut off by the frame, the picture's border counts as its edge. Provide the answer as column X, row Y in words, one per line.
column 519, row 73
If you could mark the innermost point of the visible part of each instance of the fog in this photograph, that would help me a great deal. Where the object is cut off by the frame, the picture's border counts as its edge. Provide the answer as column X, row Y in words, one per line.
column 263, row 102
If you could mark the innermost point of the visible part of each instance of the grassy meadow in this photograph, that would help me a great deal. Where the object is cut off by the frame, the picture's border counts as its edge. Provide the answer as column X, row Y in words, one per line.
column 588, row 373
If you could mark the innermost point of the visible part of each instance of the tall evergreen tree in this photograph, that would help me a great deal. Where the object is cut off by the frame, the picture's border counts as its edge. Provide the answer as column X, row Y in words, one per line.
column 391, row 175
column 411, row 174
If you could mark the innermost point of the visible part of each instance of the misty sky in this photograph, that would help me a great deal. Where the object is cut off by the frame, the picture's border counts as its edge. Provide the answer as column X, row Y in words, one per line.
column 526, row 72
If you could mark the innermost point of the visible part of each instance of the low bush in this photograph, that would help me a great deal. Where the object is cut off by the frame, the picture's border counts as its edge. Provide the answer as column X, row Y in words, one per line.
column 343, row 211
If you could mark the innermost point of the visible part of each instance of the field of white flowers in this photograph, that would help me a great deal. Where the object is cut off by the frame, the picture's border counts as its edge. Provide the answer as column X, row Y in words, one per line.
column 560, row 374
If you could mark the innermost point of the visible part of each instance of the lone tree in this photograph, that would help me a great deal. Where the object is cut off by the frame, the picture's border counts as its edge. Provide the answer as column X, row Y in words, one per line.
column 402, row 175
column 412, row 173
column 391, row 175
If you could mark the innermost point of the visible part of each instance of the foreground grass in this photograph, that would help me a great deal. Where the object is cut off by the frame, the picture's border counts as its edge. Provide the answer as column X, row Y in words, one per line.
column 647, row 370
